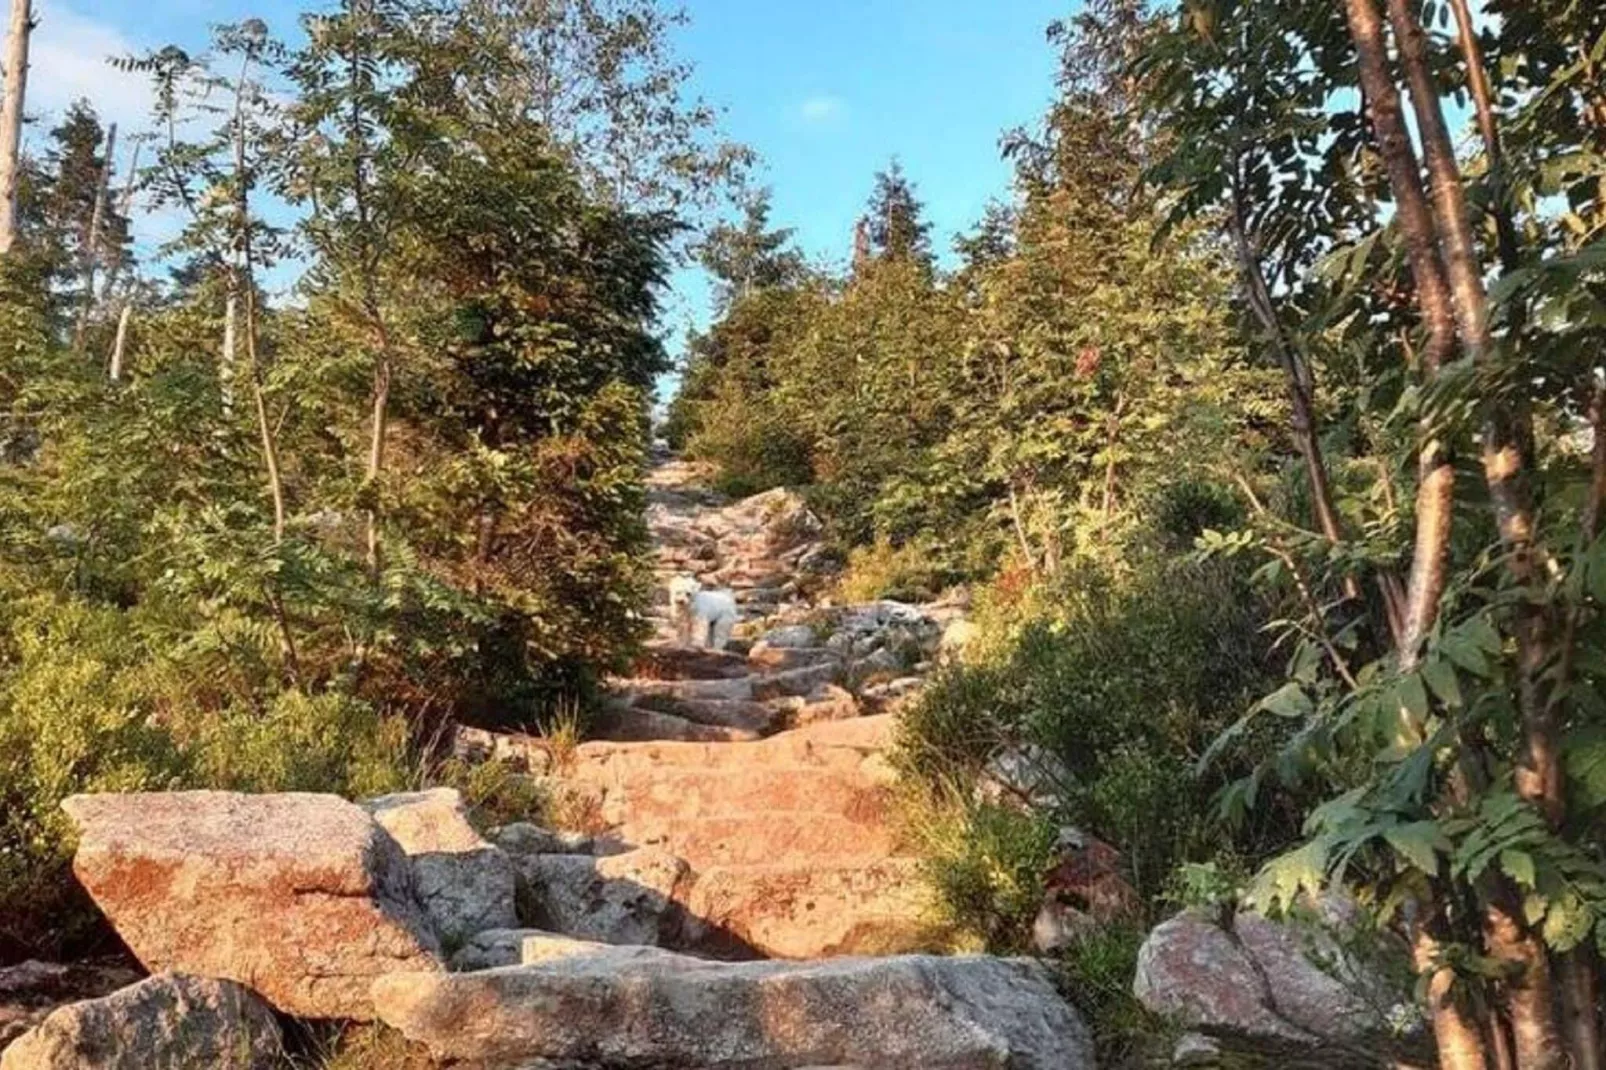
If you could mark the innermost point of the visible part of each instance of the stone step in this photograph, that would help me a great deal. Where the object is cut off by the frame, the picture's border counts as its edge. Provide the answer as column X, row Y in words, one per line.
column 780, row 838
column 800, row 682
column 646, row 808
column 756, row 717
column 811, row 910
column 851, row 745
column 599, row 1006
column 767, row 658
column 623, row 723
column 670, row 662
column 740, row 688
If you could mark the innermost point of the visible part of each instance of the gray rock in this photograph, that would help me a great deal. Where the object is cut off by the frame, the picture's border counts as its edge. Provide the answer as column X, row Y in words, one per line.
column 170, row 1021
column 303, row 897
column 1024, row 775
column 622, row 1006
column 1196, row 1049
column 1191, row 970
column 528, row 947
column 627, row 898
column 1286, row 986
column 790, row 636
column 524, row 838
column 465, row 884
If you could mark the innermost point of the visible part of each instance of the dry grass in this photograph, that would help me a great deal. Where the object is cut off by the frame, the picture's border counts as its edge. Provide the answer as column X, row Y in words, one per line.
column 368, row 1047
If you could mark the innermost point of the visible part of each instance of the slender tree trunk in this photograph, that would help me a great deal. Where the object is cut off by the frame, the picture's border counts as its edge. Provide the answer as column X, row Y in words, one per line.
column 16, row 92
column 378, row 419
column 1529, row 1003
column 1578, row 971
column 1528, row 993
column 1460, row 1042
column 125, row 208
column 270, row 448
column 92, row 240
column 242, row 288
column 113, row 271
column 1488, row 129
column 1296, row 376
column 1436, row 478
column 1020, row 530
column 116, row 369
column 384, row 363
column 226, row 363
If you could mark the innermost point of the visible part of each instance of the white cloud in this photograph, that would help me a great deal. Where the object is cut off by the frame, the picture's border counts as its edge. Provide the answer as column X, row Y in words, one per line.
column 67, row 60
column 821, row 108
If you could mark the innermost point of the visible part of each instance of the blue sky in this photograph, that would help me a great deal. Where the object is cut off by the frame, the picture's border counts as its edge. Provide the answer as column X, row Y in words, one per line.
column 827, row 92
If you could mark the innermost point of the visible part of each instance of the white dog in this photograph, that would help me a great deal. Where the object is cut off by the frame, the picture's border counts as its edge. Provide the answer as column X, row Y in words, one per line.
column 702, row 618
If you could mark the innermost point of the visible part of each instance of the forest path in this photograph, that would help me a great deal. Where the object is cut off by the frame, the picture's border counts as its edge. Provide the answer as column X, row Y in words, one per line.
column 763, row 768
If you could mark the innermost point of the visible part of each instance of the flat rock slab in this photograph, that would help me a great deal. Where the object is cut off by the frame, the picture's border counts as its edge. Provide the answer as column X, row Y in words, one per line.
column 810, row 910
column 618, row 1008
column 855, row 744
column 303, row 898
column 1268, row 986
column 465, row 884
column 628, row 898
column 623, row 723
column 166, row 1022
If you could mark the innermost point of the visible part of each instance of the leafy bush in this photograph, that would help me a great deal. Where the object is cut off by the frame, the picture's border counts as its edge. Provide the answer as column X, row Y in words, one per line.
column 1123, row 686
column 909, row 573
column 96, row 698
column 751, row 442
column 986, row 864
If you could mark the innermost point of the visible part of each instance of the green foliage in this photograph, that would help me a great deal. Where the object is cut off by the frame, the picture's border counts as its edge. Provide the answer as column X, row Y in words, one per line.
column 1124, row 685
column 752, row 444
column 986, row 864
column 1096, row 976
column 96, row 698
column 411, row 495
column 912, row 572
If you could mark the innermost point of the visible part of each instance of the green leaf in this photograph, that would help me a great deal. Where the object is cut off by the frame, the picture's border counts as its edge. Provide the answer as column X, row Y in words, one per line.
column 1420, row 842
column 1568, row 922
column 1519, row 866
column 1465, row 653
column 1412, row 696
column 1285, row 878
column 1585, row 757
column 1441, row 679
column 1289, row 700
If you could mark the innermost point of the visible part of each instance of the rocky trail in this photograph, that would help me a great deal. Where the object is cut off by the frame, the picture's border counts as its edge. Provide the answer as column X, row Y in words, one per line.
column 727, row 887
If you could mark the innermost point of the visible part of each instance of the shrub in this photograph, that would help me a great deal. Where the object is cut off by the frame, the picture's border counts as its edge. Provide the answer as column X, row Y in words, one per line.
column 908, row 573
column 94, row 698
column 986, row 864
column 1124, row 686
column 751, row 442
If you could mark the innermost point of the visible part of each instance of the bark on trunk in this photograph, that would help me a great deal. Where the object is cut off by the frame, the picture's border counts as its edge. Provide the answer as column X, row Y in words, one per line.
column 1296, row 377
column 1529, row 996
column 270, row 448
column 91, row 250
column 16, row 92
column 1527, row 992
column 1436, row 479
column 1488, row 129
column 1460, row 1041
column 376, row 453
column 226, row 363
column 116, row 370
